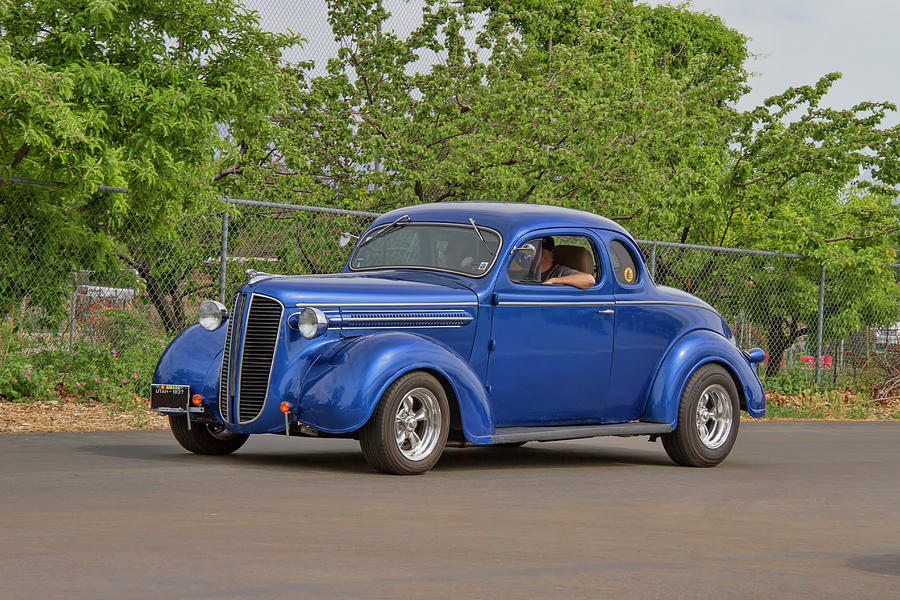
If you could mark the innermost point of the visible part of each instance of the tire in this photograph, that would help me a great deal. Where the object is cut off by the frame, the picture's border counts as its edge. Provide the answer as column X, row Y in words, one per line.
column 408, row 430
column 204, row 438
column 709, row 416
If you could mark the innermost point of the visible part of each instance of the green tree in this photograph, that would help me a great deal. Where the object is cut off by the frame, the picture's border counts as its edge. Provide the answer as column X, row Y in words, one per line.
column 169, row 99
column 618, row 109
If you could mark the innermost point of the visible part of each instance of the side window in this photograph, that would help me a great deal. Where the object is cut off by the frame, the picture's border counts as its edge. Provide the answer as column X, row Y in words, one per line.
column 541, row 258
column 623, row 263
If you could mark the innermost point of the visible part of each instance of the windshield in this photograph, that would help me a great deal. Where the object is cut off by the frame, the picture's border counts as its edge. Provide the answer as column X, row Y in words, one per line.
column 438, row 246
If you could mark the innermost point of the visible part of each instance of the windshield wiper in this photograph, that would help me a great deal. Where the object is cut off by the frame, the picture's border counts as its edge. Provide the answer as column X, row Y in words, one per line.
column 382, row 231
column 481, row 237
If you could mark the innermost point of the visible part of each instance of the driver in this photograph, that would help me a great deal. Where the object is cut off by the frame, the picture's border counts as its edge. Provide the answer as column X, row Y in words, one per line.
column 553, row 273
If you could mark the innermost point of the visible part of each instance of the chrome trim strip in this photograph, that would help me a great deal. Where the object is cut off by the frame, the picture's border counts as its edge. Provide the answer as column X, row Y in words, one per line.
column 386, row 304
column 262, row 409
column 438, row 318
column 523, row 303
column 670, row 302
column 616, row 303
column 404, row 327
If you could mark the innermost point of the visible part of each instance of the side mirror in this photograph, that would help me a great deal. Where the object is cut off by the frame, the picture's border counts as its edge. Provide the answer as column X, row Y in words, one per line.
column 345, row 238
column 525, row 253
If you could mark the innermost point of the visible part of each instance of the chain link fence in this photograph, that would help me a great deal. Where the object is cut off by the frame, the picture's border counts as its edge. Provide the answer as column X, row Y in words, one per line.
column 790, row 306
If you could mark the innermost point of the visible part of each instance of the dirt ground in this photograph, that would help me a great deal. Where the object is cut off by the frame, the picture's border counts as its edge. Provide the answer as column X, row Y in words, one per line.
column 75, row 416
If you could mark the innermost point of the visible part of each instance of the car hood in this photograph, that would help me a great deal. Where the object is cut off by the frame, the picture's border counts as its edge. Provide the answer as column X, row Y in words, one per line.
column 369, row 289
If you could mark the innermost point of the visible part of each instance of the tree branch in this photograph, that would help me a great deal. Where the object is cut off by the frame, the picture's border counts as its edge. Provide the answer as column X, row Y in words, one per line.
column 19, row 155
column 861, row 237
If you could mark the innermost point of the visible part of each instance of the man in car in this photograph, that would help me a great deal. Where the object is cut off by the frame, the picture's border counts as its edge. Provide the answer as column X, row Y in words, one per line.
column 553, row 273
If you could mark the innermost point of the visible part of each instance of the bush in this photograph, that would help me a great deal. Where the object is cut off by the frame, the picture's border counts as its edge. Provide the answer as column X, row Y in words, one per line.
column 98, row 369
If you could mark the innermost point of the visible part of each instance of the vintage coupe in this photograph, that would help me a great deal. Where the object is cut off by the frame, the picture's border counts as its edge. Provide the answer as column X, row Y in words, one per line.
column 440, row 331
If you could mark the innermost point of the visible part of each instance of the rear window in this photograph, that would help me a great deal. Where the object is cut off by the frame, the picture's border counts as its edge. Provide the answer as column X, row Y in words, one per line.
column 624, row 265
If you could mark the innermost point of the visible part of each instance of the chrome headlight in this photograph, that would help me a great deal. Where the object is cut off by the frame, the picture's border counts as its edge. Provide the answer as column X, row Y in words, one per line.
column 310, row 322
column 211, row 314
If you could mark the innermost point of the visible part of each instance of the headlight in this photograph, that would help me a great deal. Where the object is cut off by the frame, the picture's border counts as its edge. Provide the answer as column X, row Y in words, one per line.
column 311, row 322
column 211, row 314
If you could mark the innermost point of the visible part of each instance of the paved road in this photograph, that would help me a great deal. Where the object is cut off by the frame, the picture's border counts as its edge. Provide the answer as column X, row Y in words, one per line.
column 799, row 510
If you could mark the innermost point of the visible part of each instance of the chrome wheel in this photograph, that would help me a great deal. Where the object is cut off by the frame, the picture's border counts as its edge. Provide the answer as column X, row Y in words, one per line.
column 709, row 416
column 408, row 430
column 714, row 416
column 417, row 424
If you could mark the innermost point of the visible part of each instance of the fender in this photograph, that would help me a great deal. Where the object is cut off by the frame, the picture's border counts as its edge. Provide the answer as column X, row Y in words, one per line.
column 686, row 356
column 194, row 357
column 347, row 380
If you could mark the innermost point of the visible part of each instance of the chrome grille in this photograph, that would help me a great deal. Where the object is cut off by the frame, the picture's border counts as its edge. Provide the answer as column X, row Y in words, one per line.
column 226, row 365
column 257, row 354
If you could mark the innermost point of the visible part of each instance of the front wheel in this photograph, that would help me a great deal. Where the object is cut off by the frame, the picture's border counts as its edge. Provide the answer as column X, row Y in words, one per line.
column 708, row 419
column 205, row 438
column 408, row 430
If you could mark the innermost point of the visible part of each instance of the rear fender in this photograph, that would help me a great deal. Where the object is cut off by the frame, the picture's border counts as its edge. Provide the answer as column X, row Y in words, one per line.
column 689, row 353
column 346, row 381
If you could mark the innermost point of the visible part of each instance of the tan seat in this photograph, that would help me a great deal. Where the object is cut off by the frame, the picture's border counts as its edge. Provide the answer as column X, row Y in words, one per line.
column 576, row 257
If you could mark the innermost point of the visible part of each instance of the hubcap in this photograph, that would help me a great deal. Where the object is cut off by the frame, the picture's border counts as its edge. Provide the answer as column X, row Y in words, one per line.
column 417, row 424
column 714, row 416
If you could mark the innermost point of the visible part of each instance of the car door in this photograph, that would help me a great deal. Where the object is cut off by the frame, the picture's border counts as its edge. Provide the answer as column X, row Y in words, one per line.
column 551, row 345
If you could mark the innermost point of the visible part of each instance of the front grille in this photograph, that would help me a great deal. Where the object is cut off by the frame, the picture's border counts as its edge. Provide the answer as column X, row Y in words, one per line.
column 226, row 354
column 247, row 360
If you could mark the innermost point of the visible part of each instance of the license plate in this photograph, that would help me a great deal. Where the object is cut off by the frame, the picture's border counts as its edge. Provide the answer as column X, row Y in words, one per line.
column 169, row 396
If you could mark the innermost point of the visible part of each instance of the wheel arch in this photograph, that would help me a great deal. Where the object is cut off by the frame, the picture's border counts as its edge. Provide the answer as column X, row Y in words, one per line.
column 342, row 389
column 688, row 354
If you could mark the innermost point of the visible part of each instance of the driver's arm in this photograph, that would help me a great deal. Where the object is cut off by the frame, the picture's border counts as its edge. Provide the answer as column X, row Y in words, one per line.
column 580, row 280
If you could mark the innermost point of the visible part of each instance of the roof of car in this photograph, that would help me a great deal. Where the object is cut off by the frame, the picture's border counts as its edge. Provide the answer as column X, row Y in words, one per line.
column 503, row 216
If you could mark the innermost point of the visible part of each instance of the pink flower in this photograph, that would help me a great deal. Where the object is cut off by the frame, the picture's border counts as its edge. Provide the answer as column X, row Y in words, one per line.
column 105, row 379
column 125, row 381
column 96, row 379
column 114, row 353
column 135, row 375
column 78, row 383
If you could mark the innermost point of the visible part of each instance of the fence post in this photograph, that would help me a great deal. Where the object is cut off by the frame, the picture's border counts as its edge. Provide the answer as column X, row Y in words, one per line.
column 821, row 325
column 72, row 297
column 653, row 261
column 224, row 255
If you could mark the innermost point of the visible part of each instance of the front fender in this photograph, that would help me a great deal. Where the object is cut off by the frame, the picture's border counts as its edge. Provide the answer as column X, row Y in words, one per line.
column 346, row 381
column 194, row 358
column 686, row 356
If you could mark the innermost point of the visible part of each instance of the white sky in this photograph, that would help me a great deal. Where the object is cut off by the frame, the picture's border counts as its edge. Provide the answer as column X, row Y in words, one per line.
column 798, row 41
column 795, row 41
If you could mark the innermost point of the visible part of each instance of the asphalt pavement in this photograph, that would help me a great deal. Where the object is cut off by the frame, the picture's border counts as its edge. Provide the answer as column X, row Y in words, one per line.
column 799, row 510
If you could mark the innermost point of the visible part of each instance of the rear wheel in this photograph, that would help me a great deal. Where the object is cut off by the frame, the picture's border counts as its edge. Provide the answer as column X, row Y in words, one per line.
column 205, row 438
column 708, row 419
column 408, row 430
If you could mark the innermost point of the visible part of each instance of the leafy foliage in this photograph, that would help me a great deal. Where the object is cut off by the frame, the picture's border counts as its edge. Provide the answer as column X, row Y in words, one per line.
column 164, row 98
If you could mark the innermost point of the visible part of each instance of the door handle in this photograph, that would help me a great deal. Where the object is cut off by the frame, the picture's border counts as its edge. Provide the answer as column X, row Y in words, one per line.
column 608, row 311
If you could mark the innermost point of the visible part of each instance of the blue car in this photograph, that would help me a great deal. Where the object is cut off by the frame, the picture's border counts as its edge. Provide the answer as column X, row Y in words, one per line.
column 464, row 324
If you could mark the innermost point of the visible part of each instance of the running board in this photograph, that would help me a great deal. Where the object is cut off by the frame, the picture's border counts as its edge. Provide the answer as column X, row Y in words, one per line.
column 509, row 435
